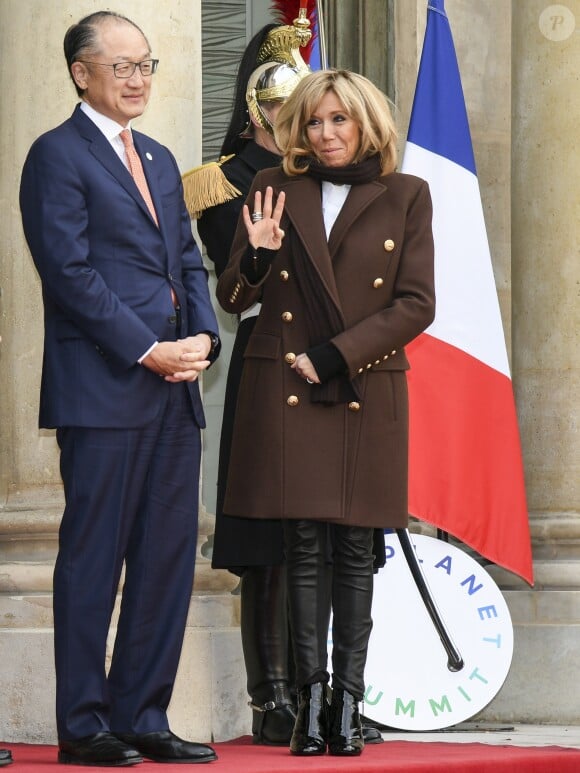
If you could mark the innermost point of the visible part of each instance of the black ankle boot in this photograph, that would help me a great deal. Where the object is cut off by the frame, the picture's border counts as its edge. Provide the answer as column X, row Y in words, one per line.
column 345, row 736
column 273, row 719
column 310, row 730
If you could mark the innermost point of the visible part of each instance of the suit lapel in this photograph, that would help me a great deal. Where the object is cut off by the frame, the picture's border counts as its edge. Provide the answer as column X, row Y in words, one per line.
column 101, row 149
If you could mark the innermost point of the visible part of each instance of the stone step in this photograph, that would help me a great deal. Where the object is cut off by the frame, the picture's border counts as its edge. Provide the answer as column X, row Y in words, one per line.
column 209, row 699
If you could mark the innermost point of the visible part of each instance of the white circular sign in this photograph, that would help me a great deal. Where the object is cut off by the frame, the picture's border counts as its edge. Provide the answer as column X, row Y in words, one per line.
column 557, row 22
column 408, row 682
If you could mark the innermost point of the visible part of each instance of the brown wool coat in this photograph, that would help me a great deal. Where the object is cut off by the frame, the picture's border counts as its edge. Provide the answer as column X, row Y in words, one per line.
column 346, row 463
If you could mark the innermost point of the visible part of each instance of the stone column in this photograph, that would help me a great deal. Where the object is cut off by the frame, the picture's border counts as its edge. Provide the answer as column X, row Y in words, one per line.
column 546, row 320
column 546, row 260
column 37, row 94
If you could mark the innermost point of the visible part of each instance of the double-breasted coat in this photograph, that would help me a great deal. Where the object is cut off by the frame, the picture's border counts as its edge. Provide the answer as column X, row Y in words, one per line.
column 343, row 463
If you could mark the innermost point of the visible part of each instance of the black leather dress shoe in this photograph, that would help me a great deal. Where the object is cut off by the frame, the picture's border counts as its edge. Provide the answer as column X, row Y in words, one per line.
column 165, row 746
column 100, row 750
column 5, row 757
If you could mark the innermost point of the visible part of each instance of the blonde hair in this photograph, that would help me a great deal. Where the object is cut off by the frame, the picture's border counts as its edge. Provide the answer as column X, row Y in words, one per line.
column 362, row 101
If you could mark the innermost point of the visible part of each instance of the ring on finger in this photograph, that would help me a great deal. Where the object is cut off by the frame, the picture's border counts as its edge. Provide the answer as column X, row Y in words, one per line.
column 257, row 216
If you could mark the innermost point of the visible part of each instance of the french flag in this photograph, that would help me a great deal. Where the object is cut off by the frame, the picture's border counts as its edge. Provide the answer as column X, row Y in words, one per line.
column 465, row 463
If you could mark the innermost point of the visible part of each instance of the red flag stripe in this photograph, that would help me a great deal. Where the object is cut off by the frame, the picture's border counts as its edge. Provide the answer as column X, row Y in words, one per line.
column 464, row 434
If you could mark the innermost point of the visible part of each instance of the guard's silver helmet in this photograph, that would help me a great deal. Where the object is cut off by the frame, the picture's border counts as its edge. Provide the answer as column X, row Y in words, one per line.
column 281, row 68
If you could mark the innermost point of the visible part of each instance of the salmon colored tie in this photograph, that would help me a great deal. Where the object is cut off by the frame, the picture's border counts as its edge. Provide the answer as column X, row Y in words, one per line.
column 136, row 169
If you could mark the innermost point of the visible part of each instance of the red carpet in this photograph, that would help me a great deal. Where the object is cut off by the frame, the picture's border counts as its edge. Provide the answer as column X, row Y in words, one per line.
column 240, row 756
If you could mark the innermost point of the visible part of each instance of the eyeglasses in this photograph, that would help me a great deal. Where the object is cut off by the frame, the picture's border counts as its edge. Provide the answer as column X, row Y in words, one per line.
column 127, row 69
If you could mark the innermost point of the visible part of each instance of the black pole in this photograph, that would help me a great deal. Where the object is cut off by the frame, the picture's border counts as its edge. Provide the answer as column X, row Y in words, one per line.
column 454, row 659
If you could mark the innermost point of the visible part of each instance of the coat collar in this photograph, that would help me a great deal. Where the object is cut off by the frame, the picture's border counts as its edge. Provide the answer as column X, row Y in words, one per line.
column 359, row 198
column 303, row 208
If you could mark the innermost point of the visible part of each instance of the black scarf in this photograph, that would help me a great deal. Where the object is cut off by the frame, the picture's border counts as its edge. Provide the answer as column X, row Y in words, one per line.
column 354, row 174
column 324, row 319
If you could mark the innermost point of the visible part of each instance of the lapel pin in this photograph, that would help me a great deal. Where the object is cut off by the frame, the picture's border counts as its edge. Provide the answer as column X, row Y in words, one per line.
column 148, row 156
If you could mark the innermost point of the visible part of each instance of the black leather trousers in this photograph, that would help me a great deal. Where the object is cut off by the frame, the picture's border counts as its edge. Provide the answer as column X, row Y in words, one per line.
column 330, row 568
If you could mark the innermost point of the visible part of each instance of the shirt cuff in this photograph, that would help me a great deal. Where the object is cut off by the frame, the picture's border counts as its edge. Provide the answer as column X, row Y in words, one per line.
column 140, row 360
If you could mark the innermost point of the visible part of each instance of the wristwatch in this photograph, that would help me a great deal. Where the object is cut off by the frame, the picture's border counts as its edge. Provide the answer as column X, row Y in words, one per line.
column 214, row 341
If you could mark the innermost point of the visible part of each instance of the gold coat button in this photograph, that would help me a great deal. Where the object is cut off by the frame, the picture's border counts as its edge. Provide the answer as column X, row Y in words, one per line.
column 378, row 282
column 389, row 245
column 292, row 401
column 354, row 406
column 290, row 358
column 287, row 316
column 284, row 276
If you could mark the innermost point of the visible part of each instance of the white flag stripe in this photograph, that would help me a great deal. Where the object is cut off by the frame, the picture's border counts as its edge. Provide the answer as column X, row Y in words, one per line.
column 468, row 314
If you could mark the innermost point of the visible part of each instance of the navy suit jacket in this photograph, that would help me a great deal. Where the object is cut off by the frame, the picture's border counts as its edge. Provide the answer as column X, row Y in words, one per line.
column 106, row 271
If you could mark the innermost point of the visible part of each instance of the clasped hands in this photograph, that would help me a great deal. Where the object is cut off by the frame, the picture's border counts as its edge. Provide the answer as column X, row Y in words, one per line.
column 181, row 360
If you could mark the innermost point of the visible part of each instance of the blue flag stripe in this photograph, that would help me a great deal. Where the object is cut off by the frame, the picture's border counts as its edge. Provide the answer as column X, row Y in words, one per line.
column 439, row 120
column 315, row 59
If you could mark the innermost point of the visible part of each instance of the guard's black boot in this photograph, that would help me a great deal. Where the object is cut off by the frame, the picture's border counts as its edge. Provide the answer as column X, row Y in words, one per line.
column 264, row 626
column 273, row 720
column 309, row 736
column 345, row 735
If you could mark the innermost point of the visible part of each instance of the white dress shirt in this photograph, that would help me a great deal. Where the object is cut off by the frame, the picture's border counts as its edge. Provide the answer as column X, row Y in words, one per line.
column 333, row 198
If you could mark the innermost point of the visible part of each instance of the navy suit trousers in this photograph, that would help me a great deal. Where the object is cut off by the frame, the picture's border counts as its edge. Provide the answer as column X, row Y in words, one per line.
column 131, row 500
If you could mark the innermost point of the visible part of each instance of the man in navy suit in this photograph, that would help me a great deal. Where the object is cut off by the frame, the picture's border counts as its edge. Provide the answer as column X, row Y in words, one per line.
column 129, row 326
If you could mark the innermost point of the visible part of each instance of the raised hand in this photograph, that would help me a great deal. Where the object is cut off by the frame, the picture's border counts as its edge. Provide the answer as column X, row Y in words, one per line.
column 265, row 231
